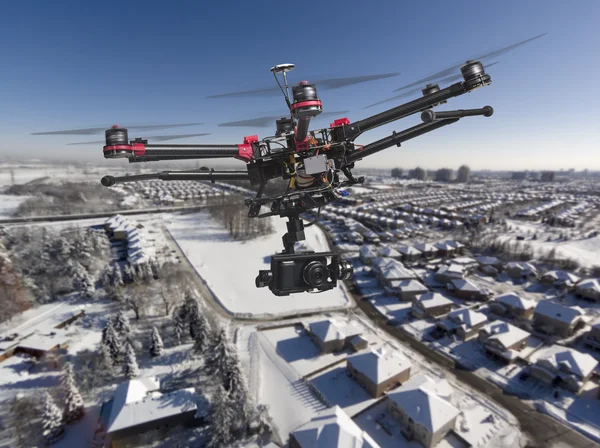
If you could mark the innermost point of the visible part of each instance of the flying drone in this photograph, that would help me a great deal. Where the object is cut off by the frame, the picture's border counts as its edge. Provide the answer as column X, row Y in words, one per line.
column 317, row 164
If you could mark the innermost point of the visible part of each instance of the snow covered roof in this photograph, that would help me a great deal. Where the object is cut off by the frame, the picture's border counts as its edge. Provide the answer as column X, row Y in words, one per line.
column 379, row 364
column 367, row 252
column 388, row 252
column 409, row 250
column 461, row 284
column 454, row 270
column 589, row 285
column 513, row 300
column 421, row 399
column 392, row 269
column 467, row 317
column 332, row 428
column 138, row 401
column 505, row 333
column 569, row 360
column 45, row 341
column 426, row 247
column 558, row 312
column 433, row 300
column 521, row 266
column 562, row 276
column 411, row 285
column 455, row 244
column 329, row 330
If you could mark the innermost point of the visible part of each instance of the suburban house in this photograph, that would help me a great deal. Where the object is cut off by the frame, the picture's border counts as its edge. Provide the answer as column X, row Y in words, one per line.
column 521, row 270
column 555, row 319
column 333, row 428
column 423, row 408
column 503, row 340
column 430, row 304
column 40, row 344
column 139, row 406
column 489, row 265
column 592, row 337
column 444, row 249
column 428, row 250
column 367, row 254
column 465, row 289
column 408, row 289
column 463, row 322
column 331, row 336
column 387, row 270
column 512, row 304
column 409, row 253
column 378, row 369
column 559, row 279
column 588, row 289
column 388, row 252
column 458, row 247
column 445, row 274
column 564, row 367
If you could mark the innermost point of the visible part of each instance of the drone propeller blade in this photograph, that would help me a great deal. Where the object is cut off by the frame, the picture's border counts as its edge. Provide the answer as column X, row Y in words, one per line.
column 262, row 122
column 99, row 130
column 447, row 79
column 451, row 69
column 154, row 138
column 329, row 83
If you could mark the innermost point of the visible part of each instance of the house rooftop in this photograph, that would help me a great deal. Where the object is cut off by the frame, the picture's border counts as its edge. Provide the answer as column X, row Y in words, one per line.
column 332, row 428
column 379, row 364
column 467, row 317
column 422, row 400
column 505, row 333
column 464, row 285
column 569, row 360
column 411, row 286
column 514, row 300
column 558, row 312
column 330, row 330
column 139, row 401
column 433, row 300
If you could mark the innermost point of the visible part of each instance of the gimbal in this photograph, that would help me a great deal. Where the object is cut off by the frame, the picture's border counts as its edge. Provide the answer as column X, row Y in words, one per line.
column 311, row 161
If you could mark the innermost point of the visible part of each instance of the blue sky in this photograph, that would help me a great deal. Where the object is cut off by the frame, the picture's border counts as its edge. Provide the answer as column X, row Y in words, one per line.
column 69, row 64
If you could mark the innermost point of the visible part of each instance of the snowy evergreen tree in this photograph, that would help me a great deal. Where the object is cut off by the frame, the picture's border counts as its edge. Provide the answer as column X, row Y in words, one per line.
column 179, row 324
column 128, row 274
column 156, row 346
column 106, row 276
column 192, row 313
column 86, row 284
column 235, row 384
column 111, row 340
column 202, row 331
column 221, row 358
column 74, row 407
column 261, row 424
column 121, row 324
column 130, row 365
column 52, row 421
column 221, row 420
column 116, row 277
column 105, row 360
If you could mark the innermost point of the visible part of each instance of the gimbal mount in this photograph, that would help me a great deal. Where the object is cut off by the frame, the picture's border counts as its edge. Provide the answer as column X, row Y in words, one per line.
column 311, row 161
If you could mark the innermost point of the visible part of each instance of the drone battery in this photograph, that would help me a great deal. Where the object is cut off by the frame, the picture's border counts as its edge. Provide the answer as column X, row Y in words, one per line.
column 316, row 164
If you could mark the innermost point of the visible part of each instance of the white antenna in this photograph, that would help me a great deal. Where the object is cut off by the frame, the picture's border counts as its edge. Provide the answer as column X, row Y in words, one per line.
column 283, row 68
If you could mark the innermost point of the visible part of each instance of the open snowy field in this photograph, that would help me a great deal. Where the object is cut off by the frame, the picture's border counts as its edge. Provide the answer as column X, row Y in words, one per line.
column 230, row 267
column 9, row 204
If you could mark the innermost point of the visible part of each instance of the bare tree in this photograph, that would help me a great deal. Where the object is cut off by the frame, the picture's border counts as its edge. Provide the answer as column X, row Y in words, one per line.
column 137, row 299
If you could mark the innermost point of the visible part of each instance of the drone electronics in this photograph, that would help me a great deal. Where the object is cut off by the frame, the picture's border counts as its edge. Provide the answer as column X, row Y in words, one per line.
column 316, row 164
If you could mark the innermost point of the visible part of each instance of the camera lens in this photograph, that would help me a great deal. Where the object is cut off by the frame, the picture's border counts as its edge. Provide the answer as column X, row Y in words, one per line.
column 263, row 279
column 315, row 274
column 345, row 270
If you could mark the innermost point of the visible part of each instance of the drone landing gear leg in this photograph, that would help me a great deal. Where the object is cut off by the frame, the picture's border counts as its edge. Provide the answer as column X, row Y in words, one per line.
column 255, row 207
column 294, row 234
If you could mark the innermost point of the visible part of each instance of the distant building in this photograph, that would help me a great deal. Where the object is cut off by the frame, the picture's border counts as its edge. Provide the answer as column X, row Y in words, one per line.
column 444, row 175
column 547, row 176
column 397, row 172
column 503, row 340
column 331, row 428
column 519, row 175
column 464, row 174
column 555, row 319
column 564, row 367
column 378, row 369
column 139, row 406
column 560, row 279
column 331, row 336
column 423, row 408
column 418, row 173
column 430, row 304
column 521, row 270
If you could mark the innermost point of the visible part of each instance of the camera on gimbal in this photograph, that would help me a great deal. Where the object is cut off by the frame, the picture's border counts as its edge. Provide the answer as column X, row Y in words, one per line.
column 309, row 271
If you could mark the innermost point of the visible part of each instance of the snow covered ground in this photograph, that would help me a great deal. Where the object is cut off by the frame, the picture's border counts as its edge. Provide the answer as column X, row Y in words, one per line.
column 9, row 204
column 230, row 267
